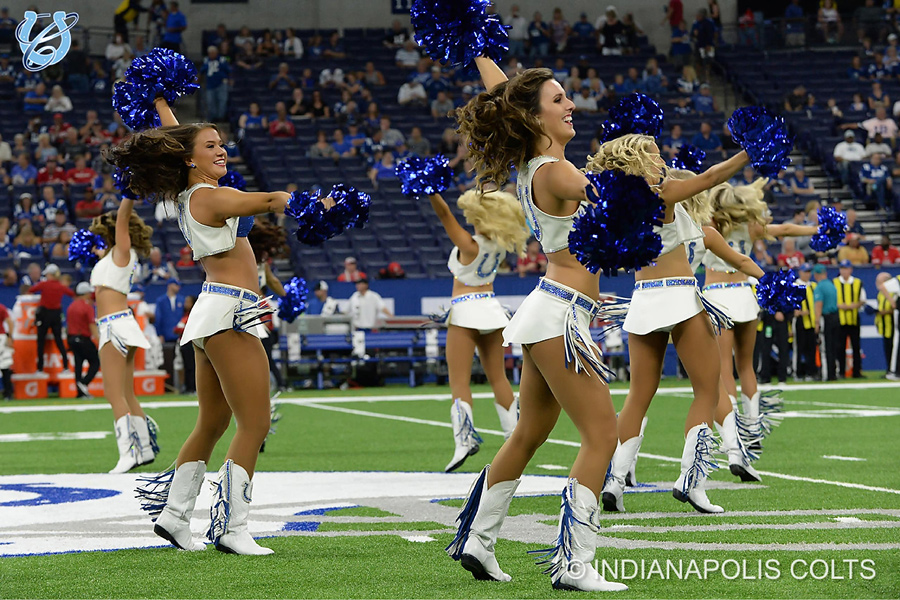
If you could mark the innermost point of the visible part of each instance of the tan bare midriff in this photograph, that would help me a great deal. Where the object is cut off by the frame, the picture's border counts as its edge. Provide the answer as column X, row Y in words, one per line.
column 235, row 267
column 109, row 301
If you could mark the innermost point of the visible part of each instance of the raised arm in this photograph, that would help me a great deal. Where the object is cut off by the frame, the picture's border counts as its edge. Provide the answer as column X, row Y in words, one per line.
column 562, row 181
column 491, row 74
column 166, row 116
column 122, row 250
column 461, row 238
column 272, row 282
column 716, row 244
column 679, row 190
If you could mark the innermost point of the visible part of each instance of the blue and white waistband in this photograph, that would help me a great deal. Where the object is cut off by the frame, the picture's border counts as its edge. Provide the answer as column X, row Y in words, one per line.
column 475, row 296
column 726, row 286
column 113, row 316
column 229, row 290
column 665, row 282
column 568, row 294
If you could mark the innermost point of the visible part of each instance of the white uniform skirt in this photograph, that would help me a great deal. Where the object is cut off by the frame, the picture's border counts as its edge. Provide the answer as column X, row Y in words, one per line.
column 553, row 310
column 220, row 307
column 661, row 304
column 736, row 299
column 481, row 311
column 122, row 330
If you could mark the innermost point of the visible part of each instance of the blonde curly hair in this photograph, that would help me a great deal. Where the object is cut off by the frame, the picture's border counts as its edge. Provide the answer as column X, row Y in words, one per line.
column 497, row 216
column 630, row 154
column 734, row 206
column 698, row 207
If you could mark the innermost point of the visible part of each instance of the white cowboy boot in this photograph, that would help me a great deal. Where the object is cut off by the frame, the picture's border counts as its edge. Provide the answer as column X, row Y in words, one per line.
column 230, row 510
column 739, row 456
column 571, row 562
column 146, row 455
column 696, row 462
column 128, row 444
column 614, row 486
column 508, row 416
column 174, row 522
column 479, row 524
column 465, row 437
column 631, row 477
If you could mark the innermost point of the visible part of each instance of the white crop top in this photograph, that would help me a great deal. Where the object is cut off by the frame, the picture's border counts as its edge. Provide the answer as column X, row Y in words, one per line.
column 108, row 274
column 483, row 269
column 204, row 240
column 551, row 231
column 681, row 230
column 739, row 240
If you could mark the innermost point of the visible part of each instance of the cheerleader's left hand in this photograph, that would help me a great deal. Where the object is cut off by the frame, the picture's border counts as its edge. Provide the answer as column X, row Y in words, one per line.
column 327, row 202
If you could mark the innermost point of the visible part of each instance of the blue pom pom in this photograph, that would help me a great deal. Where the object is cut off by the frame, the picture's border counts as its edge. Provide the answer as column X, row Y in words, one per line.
column 616, row 232
column 689, row 158
column 765, row 138
column 233, row 179
column 458, row 31
column 122, row 179
column 832, row 226
column 82, row 246
column 776, row 292
column 424, row 176
column 351, row 208
column 294, row 300
column 635, row 113
column 160, row 72
column 316, row 225
column 306, row 209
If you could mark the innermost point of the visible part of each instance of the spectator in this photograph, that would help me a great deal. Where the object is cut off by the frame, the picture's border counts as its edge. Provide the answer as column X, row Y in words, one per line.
column 49, row 204
column 853, row 251
column 832, row 106
column 538, row 36
column 282, row 127
column 688, row 83
column 253, row 118
column 533, row 262
column 215, row 73
column 390, row 137
column 219, row 35
column 57, row 130
column 633, row 83
column 351, row 272
column 72, row 147
column 5, row 151
column 797, row 100
column 631, row 33
column 342, row 147
column 437, row 82
column 300, row 107
column 708, row 141
column 560, row 72
column 32, row 275
column 185, row 258
column 412, row 93
column 877, row 146
column 372, row 76
column 870, row 21
column 116, row 48
column 790, row 257
column 518, row 31
column 884, row 253
column 846, row 152
column 266, row 46
column 36, row 99
column 801, row 186
column 407, row 57
column 878, row 70
column 27, row 245
column 321, row 148
column 442, row 106
column 156, row 269
column 880, row 123
column 801, row 241
column 108, row 194
column 828, row 21
column 417, row 144
column 366, row 307
column 598, row 88
column 583, row 33
column 140, row 47
column 585, row 102
column 318, row 108
column 58, row 224
column 674, row 13
column 703, row 34
column 761, row 255
column 244, row 36
column 26, row 208
column 169, row 310
column 794, row 24
column 176, row 23
column 397, row 36
column 51, row 174
column 292, row 45
column 45, row 150
column 559, row 31
column 23, row 172
column 89, row 206
column 856, row 72
column 383, row 170
column 673, row 142
column 321, row 303
column 27, row 81
column 573, row 82
column 11, row 278
column 58, row 101
column 247, row 58
column 679, row 45
column 891, row 59
column 853, row 225
column 282, row 80
column 876, row 177
column 392, row 271
column 877, row 97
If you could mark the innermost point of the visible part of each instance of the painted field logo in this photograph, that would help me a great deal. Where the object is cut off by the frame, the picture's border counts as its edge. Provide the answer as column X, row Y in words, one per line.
column 37, row 52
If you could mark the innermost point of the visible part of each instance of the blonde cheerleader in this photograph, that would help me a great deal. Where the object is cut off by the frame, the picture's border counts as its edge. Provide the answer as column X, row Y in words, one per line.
column 476, row 318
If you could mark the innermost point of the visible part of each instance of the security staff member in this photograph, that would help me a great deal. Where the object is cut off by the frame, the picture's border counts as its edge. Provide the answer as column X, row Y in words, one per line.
column 81, row 331
column 805, row 329
column 850, row 297
column 827, row 320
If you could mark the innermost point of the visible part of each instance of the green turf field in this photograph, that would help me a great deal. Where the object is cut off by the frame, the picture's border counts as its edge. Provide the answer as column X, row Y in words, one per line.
column 829, row 502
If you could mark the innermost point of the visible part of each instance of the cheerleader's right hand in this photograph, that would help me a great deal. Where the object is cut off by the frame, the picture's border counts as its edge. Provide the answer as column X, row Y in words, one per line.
column 327, row 202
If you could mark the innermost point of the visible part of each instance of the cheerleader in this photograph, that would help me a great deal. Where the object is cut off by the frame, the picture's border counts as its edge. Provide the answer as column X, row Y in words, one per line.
column 527, row 122
column 667, row 300
column 184, row 163
column 126, row 237
column 476, row 318
column 741, row 216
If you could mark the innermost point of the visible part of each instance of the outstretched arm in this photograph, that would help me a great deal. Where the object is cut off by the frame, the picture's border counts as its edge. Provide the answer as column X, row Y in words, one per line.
column 790, row 230
column 491, row 74
column 272, row 282
column 166, row 116
column 122, row 249
column 461, row 238
column 716, row 244
column 678, row 190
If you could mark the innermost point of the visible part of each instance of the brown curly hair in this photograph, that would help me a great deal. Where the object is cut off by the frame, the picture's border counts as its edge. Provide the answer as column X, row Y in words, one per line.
column 266, row 238
column 140, row 233
column 156, row 159
column 502, row 126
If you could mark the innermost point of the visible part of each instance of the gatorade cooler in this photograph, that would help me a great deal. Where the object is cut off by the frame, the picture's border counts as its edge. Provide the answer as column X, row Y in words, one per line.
column 30, row 386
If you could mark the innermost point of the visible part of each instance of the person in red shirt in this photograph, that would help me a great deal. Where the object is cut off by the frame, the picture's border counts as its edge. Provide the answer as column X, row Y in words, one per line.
column 281, row 126
column 80, row 174
column 51, row 173
column 49, row 313
column 674, row 13
column 185, row 259
column 885, row 254
column 81, row 331
column 88, row 207
column 534, row 261
column 6, row 351
column 58, row 130
column 790, row 257
column 351, row 271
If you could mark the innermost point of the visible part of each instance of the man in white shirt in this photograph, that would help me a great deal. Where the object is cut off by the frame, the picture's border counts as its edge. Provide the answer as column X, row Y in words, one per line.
column 407, row 57
column 585, row 102
column 846, row 152
column 518, row 31
column 882, row 124
column 412, row 93
column 366, row 307
column 877, row 146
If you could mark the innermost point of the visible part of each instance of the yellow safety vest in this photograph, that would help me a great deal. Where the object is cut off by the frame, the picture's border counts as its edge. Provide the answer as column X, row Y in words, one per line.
column 809, row 303
column 885, row 323
column 848, row 293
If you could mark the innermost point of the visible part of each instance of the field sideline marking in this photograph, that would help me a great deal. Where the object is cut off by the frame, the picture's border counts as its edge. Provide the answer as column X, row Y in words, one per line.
column 436, row 397
column 365, row 413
